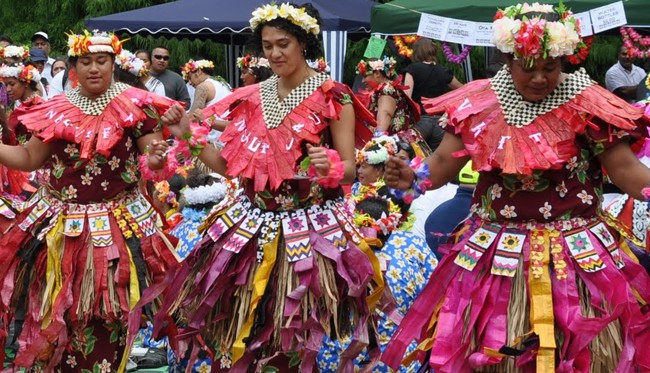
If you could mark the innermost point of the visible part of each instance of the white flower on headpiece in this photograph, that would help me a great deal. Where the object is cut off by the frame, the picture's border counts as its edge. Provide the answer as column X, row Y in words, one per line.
column 376, row 65
column 297, row 16
column 130, row 63
column 503, row 31
column 14, row 51
column 563, row 38
column 537, row 7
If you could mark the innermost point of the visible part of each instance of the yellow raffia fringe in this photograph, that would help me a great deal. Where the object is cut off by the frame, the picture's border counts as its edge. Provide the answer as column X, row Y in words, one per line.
column 54, row 240
column 260, row 281
column 134, row 285
column 426, row 344
column 541, row 308
column 418, row 150
column 377, row 277
column 624, row 247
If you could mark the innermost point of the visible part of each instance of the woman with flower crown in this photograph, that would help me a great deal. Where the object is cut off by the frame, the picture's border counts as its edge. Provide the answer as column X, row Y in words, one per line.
column 280, row 264
column 253, row 69
column 535, row 280
column 405, row 260
column 85, row 254
column 393, row 109
column 20, row 81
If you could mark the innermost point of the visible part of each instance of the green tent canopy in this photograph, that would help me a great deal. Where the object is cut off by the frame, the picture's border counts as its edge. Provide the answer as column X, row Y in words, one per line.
column 403, row 16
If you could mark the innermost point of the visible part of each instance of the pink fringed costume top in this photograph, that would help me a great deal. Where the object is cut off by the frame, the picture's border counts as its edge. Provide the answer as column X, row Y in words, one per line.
column 535, row 262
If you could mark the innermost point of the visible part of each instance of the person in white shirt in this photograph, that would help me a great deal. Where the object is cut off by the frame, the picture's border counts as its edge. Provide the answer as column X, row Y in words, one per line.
column 41, row 41
column 623, row 78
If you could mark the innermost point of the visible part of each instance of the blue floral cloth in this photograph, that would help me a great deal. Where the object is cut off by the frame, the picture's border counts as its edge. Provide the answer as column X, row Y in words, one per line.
column 409, row 264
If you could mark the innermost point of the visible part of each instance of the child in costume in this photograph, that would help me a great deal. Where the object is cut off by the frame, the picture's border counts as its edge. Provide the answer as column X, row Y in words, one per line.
column 85, row 254
column 405, row 260
column 536, row 280
column 279, row 265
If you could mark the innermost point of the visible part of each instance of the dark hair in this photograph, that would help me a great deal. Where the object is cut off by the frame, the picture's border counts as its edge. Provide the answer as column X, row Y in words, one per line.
column 6, row 38
column 425, row 50
column 176, row 183
column 403, row 145
column 195, row 179
column 313, row 47
column 376, row 207
column 261, row 73
column 148, row 53
column 126, row 77
column 159, row 46
column 492, row 69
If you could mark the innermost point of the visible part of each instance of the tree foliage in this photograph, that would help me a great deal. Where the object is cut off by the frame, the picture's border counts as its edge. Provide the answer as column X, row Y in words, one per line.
column 20, row 19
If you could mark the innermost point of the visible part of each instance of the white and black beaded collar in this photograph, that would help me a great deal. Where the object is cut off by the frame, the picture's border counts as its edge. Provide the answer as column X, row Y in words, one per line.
column 519, row 112
column 275, row 110
column 96, row 106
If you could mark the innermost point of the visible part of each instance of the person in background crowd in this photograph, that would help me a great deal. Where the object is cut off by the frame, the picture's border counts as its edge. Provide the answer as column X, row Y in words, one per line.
column 41, row 41
column 5, row 40
column 207, row 90
column 444, row 218
column 153, row 85
column 37, row 58
column 535, row 280
column 424, row 78
column 60, row 64
column 624, row 76
column 299, row 129
column 405, row 260
column 174, row 85
column 253, row 69
column 90, row 211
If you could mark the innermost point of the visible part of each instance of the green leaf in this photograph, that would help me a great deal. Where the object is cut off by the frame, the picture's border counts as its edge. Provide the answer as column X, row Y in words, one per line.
column 150, row 113
column 345, row 99
column 58, row 172
column 78, row 164
column 100, row 159
column 294, row 358
column 115, row 335
column 85, row 371
column 90, row 345
column 265, row 194
column 270, row 369
column 510, row 182
column 128, row 177
column 304, row 164
column 96, row 368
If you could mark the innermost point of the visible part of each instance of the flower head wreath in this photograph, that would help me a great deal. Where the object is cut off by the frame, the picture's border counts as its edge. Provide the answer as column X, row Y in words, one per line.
column 297, row 16
column 97, row 42
column 386, row 64
column 21, row 72
column 14, row 51
column 192, row 65
column 523, row 31
column 319, row 65
column 248, row 62
column 378, row 150
column 384, row 224
column 130, row 63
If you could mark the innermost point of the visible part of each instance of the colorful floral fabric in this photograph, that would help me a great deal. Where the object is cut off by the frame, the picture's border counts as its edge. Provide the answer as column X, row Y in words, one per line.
column 406, row 112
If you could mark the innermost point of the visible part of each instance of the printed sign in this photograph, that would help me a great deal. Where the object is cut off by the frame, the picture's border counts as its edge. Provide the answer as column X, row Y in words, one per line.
column 460, row 32
column 433, row 27
column 584, row 20
column 608, row 17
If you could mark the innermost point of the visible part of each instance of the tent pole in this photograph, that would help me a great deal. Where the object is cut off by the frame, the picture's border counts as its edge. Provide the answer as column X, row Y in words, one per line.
column 467, row 65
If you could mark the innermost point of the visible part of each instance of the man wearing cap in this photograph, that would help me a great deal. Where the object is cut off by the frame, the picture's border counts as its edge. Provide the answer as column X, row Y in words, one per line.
column 41, row 41
column 38, row 59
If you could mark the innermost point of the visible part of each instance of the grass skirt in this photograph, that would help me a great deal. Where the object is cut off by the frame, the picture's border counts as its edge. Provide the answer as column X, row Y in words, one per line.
column 261, row 283
column 558, row 297
column 63, row 265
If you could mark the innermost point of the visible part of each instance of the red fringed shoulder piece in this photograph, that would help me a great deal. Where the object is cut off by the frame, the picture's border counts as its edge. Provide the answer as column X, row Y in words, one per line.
column 96, row 126
column 269, row 155
column 534, row 137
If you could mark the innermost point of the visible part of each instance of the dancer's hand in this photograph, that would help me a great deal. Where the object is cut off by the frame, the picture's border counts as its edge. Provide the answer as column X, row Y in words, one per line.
column 177, row 121
column 319, row 159
column 157, row 150
column 398, row 174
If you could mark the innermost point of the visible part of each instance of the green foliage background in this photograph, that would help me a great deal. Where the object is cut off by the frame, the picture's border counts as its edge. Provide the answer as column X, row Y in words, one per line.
column 21, row 18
